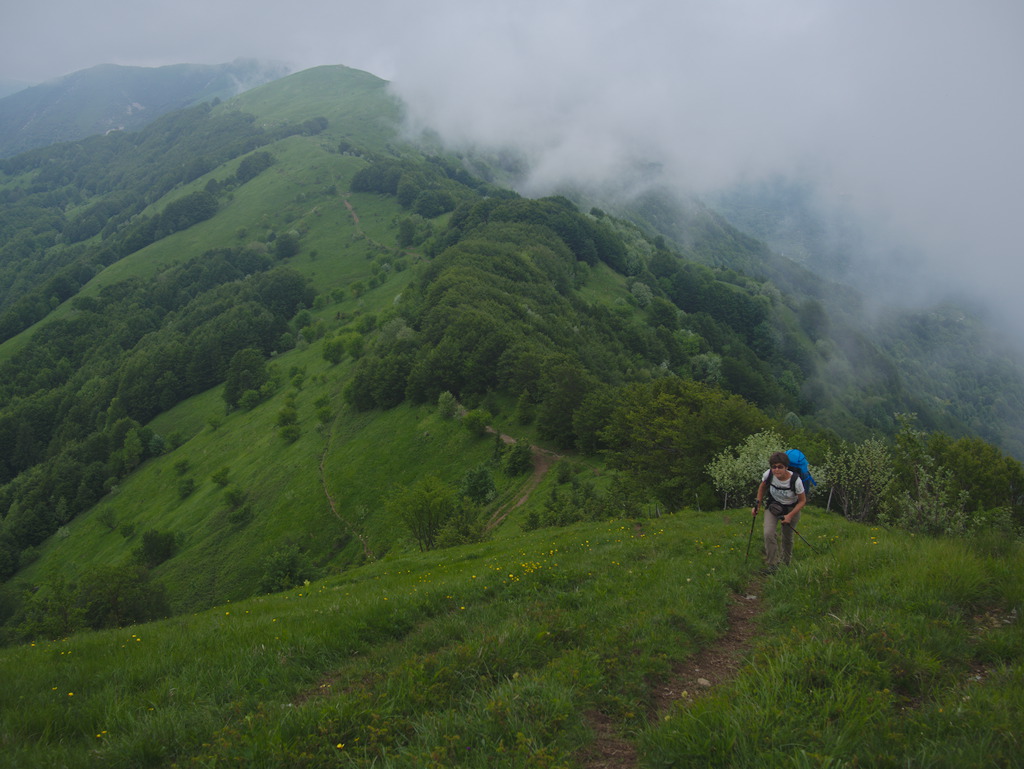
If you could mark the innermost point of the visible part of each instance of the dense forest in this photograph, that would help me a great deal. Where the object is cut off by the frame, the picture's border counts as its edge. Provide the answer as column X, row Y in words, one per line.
column 609, row 340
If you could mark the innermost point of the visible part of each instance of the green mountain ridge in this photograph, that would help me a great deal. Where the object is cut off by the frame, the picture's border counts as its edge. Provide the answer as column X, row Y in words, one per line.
column 111, row 97
column 204, row 234
column 253, row 510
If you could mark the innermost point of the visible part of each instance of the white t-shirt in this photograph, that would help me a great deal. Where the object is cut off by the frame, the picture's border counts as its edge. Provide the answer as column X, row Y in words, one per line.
column 780, row 489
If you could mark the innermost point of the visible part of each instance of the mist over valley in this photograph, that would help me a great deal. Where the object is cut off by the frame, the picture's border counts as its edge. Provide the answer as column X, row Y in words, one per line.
column 406, row 403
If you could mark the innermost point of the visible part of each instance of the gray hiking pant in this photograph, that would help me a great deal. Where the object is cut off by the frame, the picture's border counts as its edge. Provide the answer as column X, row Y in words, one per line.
column 774, row 553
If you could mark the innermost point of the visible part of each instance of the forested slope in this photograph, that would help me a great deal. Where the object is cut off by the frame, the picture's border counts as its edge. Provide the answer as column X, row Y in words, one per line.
column 227, row 336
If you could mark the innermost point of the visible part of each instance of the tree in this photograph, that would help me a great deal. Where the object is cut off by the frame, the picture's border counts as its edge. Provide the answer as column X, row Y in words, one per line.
column 425, row 508
column 517, row 459
column 927, row 495
column 447, row 405
column 286, row 245
column 156, row 547
column 286, row 568
column 860, row 476
column 333, row 350
column 247, row 371
column 114, row 596
column 476, row 421
column 662, row 432
column 253, row 165
column 738, row 470
column 52, row 611
column 563, row 385
column 478, row 485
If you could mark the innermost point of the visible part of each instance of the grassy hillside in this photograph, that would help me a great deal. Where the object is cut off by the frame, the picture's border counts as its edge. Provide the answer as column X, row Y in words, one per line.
column 369, row 280
column 549, row 649
column 256, row 349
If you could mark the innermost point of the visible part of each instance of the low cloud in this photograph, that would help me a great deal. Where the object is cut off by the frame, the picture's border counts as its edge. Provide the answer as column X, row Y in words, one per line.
column 907, row 115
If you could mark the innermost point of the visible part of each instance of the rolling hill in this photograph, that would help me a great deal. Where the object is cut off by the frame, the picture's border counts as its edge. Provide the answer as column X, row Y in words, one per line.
column 110, row 97
column 322, row 448
column 363, row 277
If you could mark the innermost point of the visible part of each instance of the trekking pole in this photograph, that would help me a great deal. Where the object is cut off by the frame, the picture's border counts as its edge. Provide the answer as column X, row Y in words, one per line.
column 753, row 519
column 813, row 550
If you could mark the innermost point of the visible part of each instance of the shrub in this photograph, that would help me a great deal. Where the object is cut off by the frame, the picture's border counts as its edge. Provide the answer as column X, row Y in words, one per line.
column 235, row 497
column 447, row 405
column 476, row 421
column 156, row 547
column 284, row 569
column 478, row 485
column 517, row 459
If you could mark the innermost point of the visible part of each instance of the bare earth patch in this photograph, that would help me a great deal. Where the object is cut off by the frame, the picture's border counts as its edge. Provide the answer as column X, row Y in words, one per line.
column 689, row 680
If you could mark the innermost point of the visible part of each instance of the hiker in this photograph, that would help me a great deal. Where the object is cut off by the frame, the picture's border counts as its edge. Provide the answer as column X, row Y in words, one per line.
column 786, row 497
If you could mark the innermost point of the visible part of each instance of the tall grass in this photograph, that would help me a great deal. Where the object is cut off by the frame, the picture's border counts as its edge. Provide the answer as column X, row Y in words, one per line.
column 880, row 650
column 488, row 655
column 892, row 650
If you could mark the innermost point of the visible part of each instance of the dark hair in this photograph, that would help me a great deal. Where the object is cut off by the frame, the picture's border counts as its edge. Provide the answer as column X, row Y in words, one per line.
column 779, row 458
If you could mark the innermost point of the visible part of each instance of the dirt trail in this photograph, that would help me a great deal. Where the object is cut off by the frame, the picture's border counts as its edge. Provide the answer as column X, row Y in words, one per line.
column 690, row 680
column 367, row 552
column 542, row 462
column 355, row 216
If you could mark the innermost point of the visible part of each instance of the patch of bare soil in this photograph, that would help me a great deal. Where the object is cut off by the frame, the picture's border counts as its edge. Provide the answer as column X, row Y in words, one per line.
column 690, row 679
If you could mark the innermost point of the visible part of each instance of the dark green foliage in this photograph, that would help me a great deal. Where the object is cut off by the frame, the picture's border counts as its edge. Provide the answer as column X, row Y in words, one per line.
column 156, row 547
column 184, row 212
column 517, row 459
column 427, row 507
column 422, row 187
column 663, row 433
column 286, row 568
column 381, row 176
column 118, row 175
column 134, row 351
column 589, row 240
column 476, row 421
column 334, row 350
column 478, row 485
column 253, row 165
column 115, row 596
column 235, row 497
column 563, row 386
column 286, row 245
column 246, row 372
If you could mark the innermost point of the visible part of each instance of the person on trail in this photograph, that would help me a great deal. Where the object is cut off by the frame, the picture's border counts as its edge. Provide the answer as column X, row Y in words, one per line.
column 786, row 498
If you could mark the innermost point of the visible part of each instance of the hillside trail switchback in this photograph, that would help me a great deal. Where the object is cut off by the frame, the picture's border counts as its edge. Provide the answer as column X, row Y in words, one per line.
column 543, row 459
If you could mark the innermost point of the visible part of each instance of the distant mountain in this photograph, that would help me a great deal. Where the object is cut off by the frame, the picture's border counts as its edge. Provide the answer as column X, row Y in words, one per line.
column 110, row 97
column 7, row 87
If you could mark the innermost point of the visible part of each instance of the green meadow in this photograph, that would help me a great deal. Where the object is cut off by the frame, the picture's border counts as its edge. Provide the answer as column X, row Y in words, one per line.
column 878, row 649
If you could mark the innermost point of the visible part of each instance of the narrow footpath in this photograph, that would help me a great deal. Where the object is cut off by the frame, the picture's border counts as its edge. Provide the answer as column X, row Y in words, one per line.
column 691, row 679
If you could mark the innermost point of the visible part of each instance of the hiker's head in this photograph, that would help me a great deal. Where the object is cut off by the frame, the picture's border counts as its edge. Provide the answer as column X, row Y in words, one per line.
column 779, row 461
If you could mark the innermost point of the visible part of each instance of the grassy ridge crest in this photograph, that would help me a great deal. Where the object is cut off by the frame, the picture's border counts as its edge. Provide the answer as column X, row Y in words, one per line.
column 880, row 649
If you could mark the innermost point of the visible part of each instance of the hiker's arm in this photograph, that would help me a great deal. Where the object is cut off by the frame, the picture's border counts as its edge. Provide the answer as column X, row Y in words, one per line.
column 800, row 502
column 760, row 498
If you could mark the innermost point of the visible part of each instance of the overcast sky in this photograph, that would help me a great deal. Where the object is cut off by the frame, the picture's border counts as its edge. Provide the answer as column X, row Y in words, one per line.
column 909, row 111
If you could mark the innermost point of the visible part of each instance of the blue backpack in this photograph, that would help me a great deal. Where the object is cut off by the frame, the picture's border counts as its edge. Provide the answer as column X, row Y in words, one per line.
column 798, row 465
